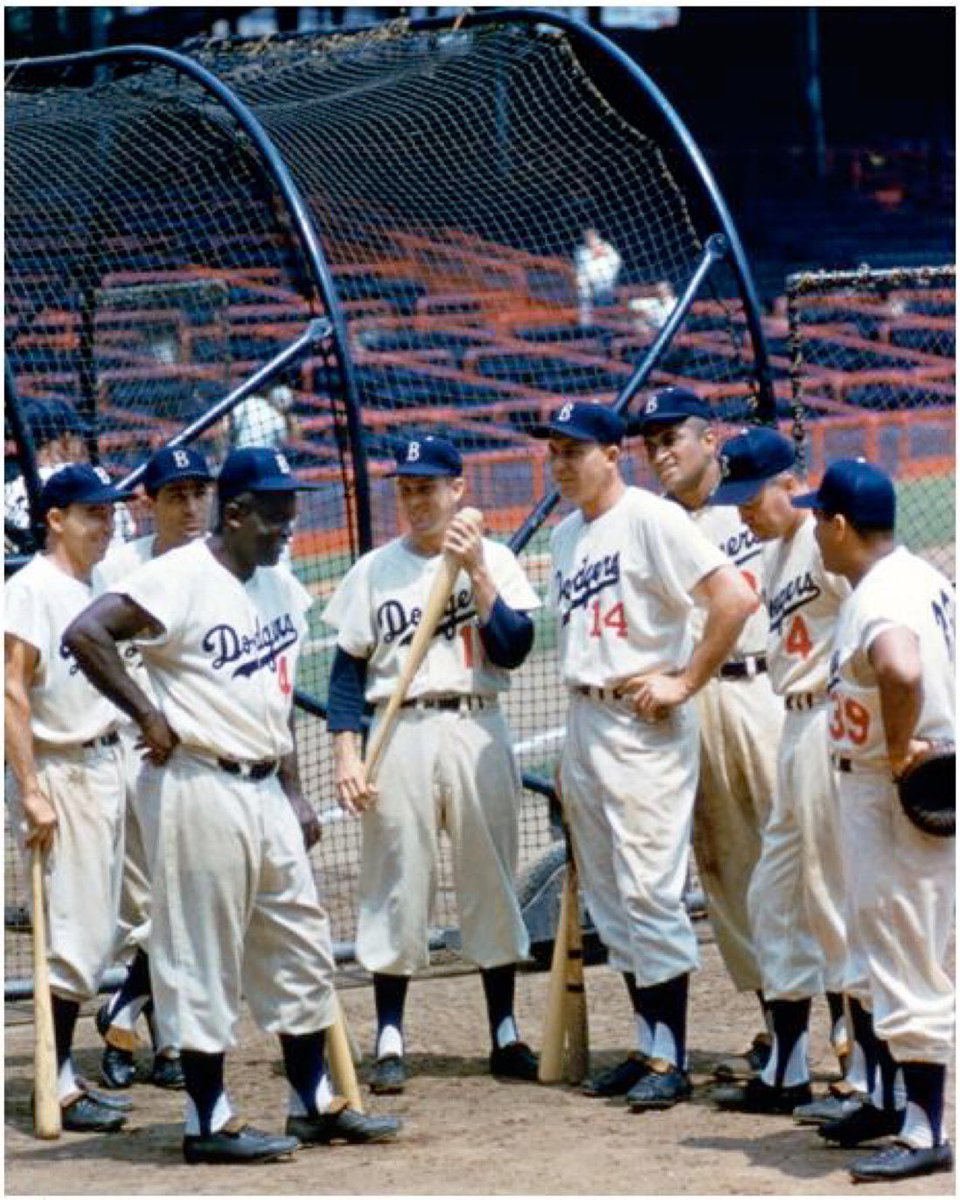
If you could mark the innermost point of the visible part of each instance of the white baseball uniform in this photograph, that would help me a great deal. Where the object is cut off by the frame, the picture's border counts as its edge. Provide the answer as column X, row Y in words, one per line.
column 133, row 925
column 443, row 768
column 796, row 893
column 80, row 770
column 234, row 902
column 621, row 585
column 901, row 882
column 740, row 725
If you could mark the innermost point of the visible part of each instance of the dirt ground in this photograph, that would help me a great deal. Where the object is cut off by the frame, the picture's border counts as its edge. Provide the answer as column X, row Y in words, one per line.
column 465, row 1133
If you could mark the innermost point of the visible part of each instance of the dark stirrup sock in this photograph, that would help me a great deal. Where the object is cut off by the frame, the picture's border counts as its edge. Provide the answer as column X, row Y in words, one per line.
column 925, row 1084
column 203, row 1079
column 663, row 1008
column 304, row 1065
column 499, row 984
column 390, row 997
column 790, row 1019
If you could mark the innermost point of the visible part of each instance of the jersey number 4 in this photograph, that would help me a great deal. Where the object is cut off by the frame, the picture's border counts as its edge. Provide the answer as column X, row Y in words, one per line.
column 798, row 638
column 614, row 619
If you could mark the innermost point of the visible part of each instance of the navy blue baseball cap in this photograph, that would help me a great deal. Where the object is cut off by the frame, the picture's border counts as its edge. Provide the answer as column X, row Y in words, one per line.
column 669, row 406
column 258, row 469
column 857, row 490
column 428, row 457
column 173, row 463
column 584, row 422
column 748, row 461
column 79, row 483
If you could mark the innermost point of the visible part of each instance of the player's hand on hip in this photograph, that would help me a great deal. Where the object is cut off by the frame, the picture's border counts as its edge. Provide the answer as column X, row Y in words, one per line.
column 654, row 695
column 41, row 819
column 917, row 748
column 157, row 740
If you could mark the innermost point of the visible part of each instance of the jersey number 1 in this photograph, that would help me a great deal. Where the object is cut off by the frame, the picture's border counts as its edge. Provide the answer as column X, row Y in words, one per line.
column 614, row 619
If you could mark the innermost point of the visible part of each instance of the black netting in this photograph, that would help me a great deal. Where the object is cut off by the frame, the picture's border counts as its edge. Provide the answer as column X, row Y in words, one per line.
column 452, row 178
column 874, row 374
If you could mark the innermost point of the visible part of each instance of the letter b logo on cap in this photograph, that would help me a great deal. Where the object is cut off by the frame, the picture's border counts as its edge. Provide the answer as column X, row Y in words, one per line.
column 282, row 465
column 566, row 412
column 181, row 459
column 413, row 452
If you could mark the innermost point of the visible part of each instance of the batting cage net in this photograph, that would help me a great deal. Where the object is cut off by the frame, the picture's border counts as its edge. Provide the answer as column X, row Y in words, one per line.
column 873, row 373
column 500, row 235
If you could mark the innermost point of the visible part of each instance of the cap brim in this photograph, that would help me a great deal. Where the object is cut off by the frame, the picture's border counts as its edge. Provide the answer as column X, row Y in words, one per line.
column 807, row 500
column 425, row 472
column 280, row 485
column 738, row 491
column 576, row 435
column 204, row 477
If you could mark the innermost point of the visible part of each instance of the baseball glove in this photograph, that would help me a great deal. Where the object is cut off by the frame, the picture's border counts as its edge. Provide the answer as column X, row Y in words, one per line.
column 928, row 790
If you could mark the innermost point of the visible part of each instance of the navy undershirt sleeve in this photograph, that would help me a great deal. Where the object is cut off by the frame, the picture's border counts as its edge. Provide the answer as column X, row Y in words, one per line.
column 507, row 636
column 348, row 681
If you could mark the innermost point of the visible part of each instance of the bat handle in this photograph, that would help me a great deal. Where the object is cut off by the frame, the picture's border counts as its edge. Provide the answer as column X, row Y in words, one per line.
column 46, row 1102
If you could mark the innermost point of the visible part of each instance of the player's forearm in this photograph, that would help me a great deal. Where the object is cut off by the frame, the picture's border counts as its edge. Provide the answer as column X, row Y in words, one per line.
column 507, row 635
column 18, row 738
column 726, row 617
column 901, row 699
column 98, row 657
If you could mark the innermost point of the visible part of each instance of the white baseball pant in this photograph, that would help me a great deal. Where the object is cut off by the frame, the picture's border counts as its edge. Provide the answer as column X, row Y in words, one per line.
column 451, row 770
column 235, row 909
column 82, row 871
column 795, row 896
column 901, row 890
column 133, row 924
column 740, row 720
column 628, row 789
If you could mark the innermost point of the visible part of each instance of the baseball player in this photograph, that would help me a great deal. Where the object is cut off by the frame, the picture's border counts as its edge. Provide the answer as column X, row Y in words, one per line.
column 448, row 763
column 796, row 893
column 892, row 693
column 740, row 717
column 177, row 481
column 627, row 569
column 58, row 435
column 234, row 907
column 65, row 765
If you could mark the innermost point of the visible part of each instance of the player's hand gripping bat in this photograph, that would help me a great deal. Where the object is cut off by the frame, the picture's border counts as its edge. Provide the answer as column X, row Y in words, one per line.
column 440, row 590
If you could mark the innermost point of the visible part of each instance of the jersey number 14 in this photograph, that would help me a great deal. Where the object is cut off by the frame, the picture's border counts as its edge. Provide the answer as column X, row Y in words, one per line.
column 615, row 619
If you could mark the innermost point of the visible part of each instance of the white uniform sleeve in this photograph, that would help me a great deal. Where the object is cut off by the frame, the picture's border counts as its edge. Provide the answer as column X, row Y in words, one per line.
column 22, row 616
column 350, row 611
column 510, row 579
column 151, row 587
column 680, row 554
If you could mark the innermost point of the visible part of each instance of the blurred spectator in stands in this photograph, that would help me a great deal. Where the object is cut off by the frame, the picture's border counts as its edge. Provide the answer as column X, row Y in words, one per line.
column 650, row 312
column 58, row 434
column 597, row 267
column 264, row 422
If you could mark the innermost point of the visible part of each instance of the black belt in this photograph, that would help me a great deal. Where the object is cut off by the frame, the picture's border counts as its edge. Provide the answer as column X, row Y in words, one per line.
column 108, row 739
column 799, row 701
column 843, row 765
column 451, row 703
column 598, row 693
column 744, row 668
column 254, row 770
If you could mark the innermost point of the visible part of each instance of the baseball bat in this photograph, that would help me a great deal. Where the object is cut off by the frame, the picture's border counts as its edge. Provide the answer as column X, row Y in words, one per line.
column 342, row 1070
column 577, row 1033
column 442, row 586
column 46, row 1102
column 555, row 1025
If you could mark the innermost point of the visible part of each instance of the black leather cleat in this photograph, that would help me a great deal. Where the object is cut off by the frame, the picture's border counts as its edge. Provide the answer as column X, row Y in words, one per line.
column 389, row 1075
column 828, row 1108
column 663, row 1086
column 750, row 1062
column 865, row 1125
column 516, row 1061
column 237, row 1143
column 344, row 1124
column 755, row 1096
column 901, row 1161
column 117, row 1068
column 618, row 1080
column 85, row 1115
column 167, row 1072
column 119, row 1103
